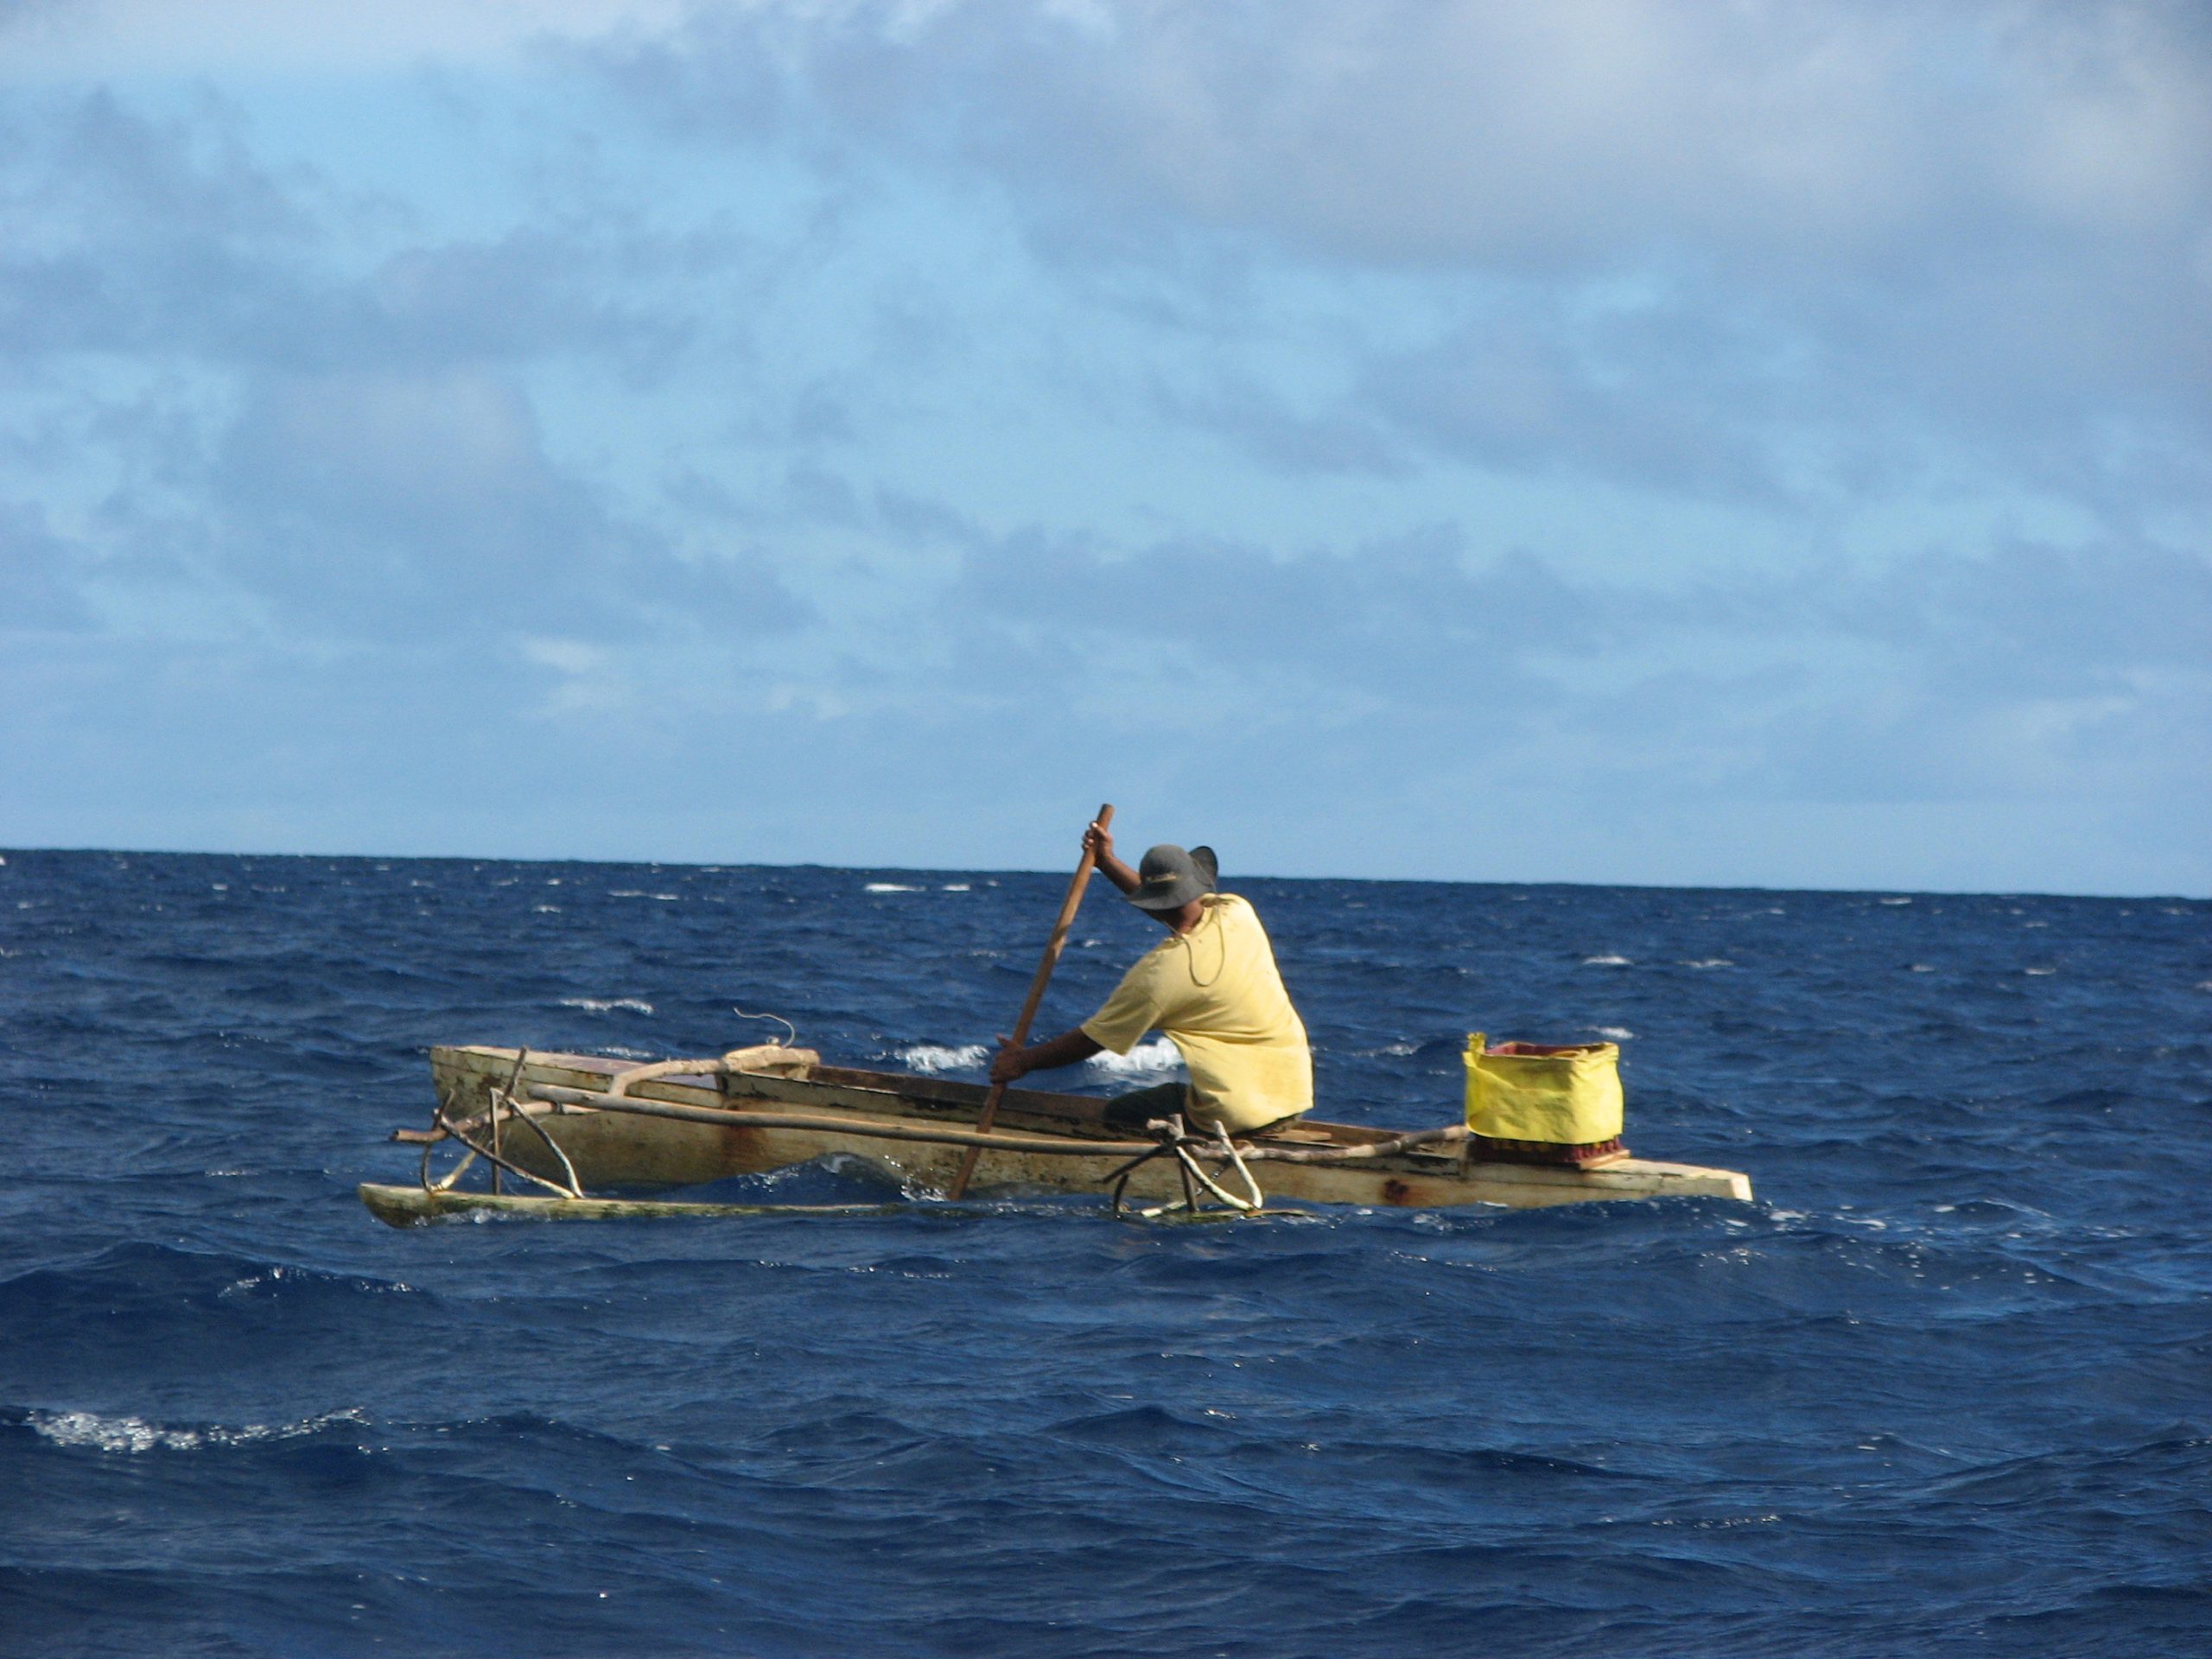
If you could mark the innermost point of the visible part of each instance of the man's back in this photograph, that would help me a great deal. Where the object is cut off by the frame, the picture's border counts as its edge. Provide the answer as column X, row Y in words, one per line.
column 1217, row 995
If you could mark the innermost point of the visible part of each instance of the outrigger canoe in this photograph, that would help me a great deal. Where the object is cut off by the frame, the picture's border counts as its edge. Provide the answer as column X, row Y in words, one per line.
column 568, row 1125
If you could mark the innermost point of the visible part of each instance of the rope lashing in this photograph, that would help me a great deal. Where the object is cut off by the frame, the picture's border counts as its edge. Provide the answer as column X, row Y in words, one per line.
column 500, row 1100
column 1176, row 1141
column 481, row 1150
column 514, row 1108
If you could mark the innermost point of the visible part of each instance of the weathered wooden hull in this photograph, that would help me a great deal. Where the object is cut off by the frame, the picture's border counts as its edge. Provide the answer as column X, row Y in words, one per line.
column 619, row 1150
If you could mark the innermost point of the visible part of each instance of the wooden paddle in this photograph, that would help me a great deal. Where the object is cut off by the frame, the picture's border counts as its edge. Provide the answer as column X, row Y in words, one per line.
column 1068, row 907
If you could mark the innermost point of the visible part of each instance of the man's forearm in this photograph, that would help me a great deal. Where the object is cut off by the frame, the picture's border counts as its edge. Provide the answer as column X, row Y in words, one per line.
column 1065, row 1050
column 1119, row 874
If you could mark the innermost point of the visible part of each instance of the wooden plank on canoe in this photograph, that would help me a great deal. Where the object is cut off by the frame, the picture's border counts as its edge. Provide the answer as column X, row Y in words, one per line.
column 411, row 1206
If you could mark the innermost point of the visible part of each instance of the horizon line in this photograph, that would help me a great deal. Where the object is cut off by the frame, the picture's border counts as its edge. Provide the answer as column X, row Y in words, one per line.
column 7, row 852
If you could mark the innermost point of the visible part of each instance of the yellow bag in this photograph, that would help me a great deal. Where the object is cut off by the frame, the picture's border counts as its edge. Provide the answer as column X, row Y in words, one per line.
column 1527, row 1091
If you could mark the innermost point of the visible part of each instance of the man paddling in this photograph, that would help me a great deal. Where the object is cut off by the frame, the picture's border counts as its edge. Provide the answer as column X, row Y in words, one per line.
column 1210, row 987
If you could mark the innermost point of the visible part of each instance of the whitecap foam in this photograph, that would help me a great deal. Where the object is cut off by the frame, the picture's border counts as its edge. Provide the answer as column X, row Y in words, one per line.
column 2039, row 973
column 1893, row 901
column 640, row 893
column 111, row 1433
column 545, row 910
column 1607, row 961
column 1710, row 961
column 1613, row 1033
column 956, row 886
column 929, row 1058
column 889, row 887
column 607, row 1005
column 132, row 1435
column 1157, row 1059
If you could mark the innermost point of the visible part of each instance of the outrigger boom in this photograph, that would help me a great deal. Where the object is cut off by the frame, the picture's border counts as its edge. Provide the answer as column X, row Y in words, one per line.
column 568, row 1124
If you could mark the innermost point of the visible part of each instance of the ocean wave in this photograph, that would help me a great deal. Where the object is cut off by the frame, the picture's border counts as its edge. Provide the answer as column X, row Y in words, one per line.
column 639, row 893
column 1607, row 961
column 279, row 1279
column 607, row 1005
column 1710, row 961
column 132, row 1435
column 140, row 1281
column 890, row 886
column 929, row 1058
column 1157, row 1059
column 1614, row 1033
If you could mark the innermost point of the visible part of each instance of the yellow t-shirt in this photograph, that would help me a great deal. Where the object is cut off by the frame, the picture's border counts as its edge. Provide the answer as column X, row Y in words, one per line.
column 1216, row 994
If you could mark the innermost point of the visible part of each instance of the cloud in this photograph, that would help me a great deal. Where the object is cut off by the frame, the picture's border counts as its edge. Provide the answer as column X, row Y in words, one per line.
column 167, row 238
column 1516, row 137
column 38, row 575
column 250, row 416
column 94, row 39
column 1769, row 245
column 1409, row 611
column 130, row 235
column 426, row 503
column 2066, row 619
column 2025, row 671
column 1675, row 399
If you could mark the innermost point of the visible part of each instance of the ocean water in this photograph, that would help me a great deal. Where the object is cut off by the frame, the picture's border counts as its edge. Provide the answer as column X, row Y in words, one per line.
column 1946, row 1388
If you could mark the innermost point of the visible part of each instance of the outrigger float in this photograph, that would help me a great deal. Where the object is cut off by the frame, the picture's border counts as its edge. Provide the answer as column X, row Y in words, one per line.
column 563, row 1126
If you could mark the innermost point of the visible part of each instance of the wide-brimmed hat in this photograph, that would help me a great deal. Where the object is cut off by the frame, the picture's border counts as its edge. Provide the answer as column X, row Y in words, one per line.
column 1169, row 878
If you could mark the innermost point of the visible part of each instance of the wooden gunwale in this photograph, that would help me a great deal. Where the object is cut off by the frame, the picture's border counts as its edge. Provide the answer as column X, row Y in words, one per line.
column 654, row 1153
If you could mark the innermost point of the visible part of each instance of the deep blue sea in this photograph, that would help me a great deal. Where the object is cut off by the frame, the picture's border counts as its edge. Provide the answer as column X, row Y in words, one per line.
column 1946, row 1388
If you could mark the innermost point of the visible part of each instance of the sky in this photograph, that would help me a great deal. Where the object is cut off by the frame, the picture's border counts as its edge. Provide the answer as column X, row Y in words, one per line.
column 1670, row 442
